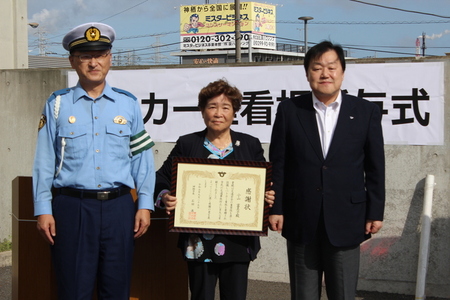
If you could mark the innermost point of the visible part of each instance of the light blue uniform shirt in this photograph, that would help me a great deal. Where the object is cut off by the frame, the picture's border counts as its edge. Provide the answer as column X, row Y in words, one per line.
column 106, row 146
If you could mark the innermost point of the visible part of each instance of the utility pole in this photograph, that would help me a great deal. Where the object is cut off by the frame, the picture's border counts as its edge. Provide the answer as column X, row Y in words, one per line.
column 237, row 35
column 417, row 47
column 423, row 44
column 250, row 52
column 306, row 19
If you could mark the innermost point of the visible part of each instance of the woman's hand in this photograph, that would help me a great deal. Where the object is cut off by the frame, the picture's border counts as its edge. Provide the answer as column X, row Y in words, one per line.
column 169, row 202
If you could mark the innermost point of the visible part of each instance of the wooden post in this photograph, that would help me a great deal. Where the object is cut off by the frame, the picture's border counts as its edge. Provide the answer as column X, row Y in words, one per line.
column 32, row 274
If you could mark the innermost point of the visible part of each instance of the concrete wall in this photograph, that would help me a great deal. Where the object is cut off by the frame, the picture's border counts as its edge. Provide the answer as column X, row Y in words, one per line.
column 22, row 98
column 389, row 260
column 13, row 34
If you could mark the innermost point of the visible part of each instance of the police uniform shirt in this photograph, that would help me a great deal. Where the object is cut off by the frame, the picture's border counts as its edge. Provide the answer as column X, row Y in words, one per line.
column 106, row 146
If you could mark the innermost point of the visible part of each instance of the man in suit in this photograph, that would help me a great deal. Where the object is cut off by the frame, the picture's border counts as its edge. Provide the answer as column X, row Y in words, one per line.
column 327, row 152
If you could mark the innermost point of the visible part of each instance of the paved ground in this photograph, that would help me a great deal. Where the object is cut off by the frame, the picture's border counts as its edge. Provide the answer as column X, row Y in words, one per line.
column 5, row 283
column 258, row 290
column 263, row 290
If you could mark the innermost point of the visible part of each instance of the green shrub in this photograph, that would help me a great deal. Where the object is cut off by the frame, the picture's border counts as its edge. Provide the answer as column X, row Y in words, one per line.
column 6, row 245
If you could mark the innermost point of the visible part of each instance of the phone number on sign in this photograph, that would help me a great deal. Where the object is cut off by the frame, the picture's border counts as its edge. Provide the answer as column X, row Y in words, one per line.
column 213, row 38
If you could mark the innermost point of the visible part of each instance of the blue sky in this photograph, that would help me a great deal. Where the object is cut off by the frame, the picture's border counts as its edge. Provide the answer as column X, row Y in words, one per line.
column 142, row 24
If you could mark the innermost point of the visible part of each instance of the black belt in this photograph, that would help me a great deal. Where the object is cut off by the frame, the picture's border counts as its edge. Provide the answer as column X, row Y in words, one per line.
column 94, row 194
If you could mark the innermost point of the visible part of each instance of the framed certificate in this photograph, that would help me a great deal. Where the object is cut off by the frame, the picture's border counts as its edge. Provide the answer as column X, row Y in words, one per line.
column 219, row 196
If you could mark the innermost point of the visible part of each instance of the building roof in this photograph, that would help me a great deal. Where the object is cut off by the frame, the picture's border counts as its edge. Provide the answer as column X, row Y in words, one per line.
column 39, row 61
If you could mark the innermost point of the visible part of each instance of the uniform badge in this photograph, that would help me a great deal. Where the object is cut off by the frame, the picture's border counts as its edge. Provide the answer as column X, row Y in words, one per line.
column 120, row 120
column 72, row 119
column 42, row 121
column 92, row 34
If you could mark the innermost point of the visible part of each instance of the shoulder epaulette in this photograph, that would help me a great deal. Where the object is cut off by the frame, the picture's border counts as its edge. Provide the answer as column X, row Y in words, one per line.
column 124, row 92
column 61, row 92
column 58, row 93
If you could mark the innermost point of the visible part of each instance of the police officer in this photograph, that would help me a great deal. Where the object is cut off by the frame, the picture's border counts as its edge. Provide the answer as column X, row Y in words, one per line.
column 92, row 149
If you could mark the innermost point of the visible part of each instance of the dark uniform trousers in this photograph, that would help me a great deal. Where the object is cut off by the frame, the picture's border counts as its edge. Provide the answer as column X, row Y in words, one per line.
column 94, row 243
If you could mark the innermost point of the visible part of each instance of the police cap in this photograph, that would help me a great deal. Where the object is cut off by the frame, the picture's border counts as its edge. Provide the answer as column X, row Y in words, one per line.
column 89, row 37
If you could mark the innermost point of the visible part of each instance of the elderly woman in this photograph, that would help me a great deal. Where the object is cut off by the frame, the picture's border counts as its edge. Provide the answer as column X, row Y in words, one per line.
column 224, row 257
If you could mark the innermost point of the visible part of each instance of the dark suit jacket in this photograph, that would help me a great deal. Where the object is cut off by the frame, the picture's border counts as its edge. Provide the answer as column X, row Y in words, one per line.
column 245, row 147
column 348, row 186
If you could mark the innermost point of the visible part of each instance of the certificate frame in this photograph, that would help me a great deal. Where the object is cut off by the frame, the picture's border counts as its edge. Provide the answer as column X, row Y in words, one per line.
column 196, row 175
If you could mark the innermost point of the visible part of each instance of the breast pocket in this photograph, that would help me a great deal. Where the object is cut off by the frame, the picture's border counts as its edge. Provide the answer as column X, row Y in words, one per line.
column 118, row 140
column 75, row 140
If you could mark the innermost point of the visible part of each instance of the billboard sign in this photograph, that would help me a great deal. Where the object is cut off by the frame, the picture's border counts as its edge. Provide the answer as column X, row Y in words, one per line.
column 212, row 26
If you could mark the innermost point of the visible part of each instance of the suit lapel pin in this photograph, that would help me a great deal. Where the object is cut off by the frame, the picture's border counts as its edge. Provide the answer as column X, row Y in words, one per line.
column 238, row 143
column 352, row 117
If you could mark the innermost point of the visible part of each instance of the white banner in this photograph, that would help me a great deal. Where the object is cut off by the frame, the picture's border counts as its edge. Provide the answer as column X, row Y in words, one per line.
column 411, row 96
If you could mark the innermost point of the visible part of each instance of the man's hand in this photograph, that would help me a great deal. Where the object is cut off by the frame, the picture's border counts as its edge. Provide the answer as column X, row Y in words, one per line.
column 46, row 227
column 270, row 197
column 373, row 226
column 276, row 222
column 141, row 222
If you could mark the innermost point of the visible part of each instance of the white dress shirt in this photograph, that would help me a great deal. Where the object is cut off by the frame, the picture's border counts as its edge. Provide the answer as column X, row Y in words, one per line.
column 326, row 117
